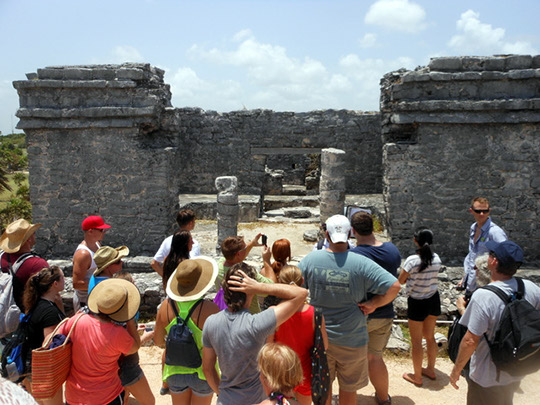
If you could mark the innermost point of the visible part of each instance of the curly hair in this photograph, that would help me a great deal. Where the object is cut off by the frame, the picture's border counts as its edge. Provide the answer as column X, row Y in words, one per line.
column 236, row 300
column 38, row 284
column 280, row 366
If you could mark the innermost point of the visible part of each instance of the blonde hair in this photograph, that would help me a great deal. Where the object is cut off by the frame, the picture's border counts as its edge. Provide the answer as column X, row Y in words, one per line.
column 124, row 275
column 280, row 366
column 290, row 275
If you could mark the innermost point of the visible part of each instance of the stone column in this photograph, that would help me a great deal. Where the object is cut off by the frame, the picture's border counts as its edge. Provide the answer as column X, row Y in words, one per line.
column 332, row 184
column 227, row 208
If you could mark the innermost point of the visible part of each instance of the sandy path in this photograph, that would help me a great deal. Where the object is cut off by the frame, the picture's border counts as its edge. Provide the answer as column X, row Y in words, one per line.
column 438, row 392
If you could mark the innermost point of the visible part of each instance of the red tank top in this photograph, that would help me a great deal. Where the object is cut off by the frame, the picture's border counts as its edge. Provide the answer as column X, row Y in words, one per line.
column 298, row 333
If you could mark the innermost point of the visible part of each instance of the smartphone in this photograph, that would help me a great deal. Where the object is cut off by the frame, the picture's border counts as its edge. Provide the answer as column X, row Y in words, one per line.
column 264, row 240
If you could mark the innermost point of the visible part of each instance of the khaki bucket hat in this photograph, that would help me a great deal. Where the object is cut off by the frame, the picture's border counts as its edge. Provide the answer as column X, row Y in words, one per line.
column 192, row 279
column 16, row 234
column 117, row 298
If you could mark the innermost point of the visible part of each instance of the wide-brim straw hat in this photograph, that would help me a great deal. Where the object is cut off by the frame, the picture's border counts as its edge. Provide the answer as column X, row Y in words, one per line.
column 192, row 279
column 107, row 255
column 116, row 298
column 16, row 234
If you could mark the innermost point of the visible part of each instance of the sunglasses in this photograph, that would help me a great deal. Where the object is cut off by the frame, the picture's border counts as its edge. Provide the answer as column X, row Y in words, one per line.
column 100, row 230
column 481, row 211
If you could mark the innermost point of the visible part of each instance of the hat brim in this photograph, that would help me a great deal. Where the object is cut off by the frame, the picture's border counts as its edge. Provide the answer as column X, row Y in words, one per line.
column 11, row 246
column 130, row 307
column 209, row 266
column 123, row 251
column 338, row 237
column 104, row 226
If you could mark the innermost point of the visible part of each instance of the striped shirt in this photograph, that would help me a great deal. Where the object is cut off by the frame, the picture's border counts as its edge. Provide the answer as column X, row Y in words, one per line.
column 424, row 284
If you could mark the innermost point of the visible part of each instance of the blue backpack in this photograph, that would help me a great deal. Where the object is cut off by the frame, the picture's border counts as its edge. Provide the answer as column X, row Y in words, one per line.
column 15, row 357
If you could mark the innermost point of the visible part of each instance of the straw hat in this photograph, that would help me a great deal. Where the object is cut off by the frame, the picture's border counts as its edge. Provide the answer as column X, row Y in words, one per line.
column 192, row 278
column 16, row 234
column 117, row 298
column 106, row 255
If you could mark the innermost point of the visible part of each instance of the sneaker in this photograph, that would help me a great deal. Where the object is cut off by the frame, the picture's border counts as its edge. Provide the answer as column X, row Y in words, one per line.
column 164, row 391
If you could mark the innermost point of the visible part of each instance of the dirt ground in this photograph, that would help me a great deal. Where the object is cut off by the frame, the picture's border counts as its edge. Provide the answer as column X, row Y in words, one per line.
column 438, row 392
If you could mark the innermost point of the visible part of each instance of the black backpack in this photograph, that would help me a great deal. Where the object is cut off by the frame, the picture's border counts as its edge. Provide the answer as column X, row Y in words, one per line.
column 180, row 346
column 15, row 359
column 456, row 331
column 516, row 346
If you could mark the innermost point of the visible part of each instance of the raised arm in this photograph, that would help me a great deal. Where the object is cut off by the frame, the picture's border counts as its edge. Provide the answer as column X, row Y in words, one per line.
column 267, row 270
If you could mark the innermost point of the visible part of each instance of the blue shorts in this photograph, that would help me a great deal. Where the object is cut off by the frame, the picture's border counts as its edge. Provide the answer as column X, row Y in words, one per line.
column 179, row 383
column 130, row 371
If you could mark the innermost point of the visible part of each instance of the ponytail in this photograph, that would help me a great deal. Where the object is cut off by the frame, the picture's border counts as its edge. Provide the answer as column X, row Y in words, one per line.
column 424, row 238
column 38, row 284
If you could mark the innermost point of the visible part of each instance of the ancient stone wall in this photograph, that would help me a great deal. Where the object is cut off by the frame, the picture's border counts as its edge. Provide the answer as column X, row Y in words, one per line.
column 457, row 129
column 104, row 139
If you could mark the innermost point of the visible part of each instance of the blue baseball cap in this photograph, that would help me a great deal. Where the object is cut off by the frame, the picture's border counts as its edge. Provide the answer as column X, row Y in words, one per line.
column 506, row 252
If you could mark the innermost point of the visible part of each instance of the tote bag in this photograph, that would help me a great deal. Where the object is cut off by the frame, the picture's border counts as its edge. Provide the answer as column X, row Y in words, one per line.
column 320, row 373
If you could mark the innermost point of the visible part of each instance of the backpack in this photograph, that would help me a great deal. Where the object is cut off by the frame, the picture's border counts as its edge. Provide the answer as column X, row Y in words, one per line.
column 320, row 373
column 15, row 362
column 456, row 331
column 180, row 346
column 9, row 310
column 516, row 346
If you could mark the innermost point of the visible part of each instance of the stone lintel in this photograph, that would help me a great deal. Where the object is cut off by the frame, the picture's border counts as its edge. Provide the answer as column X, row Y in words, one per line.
column 466, row 117
column 74, row 84
column 90, row 112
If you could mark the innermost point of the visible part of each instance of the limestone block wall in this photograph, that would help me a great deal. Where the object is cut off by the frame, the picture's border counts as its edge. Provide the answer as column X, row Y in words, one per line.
column 459, row 128
column 104, row 139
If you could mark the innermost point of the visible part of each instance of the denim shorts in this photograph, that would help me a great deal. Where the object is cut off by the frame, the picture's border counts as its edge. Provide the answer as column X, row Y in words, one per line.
column 179, row 383
column 130, row 371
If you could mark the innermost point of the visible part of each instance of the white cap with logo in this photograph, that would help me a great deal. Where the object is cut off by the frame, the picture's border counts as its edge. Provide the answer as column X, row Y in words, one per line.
column 338, row 227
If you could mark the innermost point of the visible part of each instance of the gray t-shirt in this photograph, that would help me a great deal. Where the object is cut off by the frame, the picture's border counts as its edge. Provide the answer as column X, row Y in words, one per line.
column 237, row 338
column 483, row 315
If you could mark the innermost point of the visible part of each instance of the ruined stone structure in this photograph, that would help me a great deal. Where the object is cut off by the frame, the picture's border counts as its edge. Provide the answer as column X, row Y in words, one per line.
column 105, row 139
column 227, row 208
column 457, row 129
column 332, row 187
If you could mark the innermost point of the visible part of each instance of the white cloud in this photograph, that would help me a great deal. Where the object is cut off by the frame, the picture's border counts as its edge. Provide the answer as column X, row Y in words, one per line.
column 397, row 15
column 369, row 40
column 126, row 53
column 477, row 37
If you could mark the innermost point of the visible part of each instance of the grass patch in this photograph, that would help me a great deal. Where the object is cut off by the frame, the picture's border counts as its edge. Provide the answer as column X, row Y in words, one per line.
column 6, row 195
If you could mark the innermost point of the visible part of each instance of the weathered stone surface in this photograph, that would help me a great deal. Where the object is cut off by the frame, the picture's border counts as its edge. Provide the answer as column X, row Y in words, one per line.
column 297, row 212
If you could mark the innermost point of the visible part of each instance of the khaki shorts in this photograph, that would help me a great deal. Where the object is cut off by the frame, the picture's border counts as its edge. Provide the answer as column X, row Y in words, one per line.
column 379, row 332
column 350, row 366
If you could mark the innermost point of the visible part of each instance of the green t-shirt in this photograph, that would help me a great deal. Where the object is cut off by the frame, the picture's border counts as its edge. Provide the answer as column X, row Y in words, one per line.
column 337, row 282
column 254, row 308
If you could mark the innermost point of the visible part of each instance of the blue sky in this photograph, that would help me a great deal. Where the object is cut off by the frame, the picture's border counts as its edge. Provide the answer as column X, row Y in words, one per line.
column 287, row 55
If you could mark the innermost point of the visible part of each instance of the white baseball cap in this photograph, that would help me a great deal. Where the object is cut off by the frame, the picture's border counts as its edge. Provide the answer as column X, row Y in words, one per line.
column 338, row 227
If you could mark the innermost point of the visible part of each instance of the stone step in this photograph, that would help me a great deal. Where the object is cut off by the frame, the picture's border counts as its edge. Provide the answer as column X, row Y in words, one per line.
column 293, row 189
column 272, row 202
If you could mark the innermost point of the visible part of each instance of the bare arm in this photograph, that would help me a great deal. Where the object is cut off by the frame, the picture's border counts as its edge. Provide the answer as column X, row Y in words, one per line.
column 403, row 276
column 132, row 330
column 379, row 300
column 161, row 323
column 267, row 270
column 468, row 345
column 253, row 243
column 209, row 358
column 81, row 263
column 293, row 296
column 157, row 266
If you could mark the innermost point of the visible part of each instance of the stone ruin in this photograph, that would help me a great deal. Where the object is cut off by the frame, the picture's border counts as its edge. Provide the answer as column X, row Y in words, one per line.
column 105, row 139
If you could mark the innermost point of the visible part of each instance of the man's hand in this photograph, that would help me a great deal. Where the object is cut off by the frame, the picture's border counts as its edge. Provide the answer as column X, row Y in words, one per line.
column 367, row 307
column 454, row 378
column 461, row 304
column 243, row 283
column 255, row 241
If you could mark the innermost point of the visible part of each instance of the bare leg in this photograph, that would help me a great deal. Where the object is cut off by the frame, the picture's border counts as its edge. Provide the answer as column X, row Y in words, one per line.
column 184, row 398
column 415, row 329
column 428, row 331
column 347, row 397
column 196, row 400
column 142, row 392
column 378, row 375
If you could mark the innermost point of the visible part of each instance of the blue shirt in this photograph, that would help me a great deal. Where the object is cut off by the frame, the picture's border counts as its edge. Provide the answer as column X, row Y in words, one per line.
column 488, row 232
column 337, row 282
column 387, row 256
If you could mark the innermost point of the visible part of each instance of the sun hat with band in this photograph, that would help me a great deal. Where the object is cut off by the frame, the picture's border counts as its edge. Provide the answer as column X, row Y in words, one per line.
column 192, row 279
column 16, row 234
column 107, row 255
column 116, row 298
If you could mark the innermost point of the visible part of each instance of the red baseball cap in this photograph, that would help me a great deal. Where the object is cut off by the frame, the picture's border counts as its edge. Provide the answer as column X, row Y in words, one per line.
column 94, row 222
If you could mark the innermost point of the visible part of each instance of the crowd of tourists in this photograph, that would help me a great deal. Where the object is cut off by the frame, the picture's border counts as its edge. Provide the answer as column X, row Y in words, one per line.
column 255, row 341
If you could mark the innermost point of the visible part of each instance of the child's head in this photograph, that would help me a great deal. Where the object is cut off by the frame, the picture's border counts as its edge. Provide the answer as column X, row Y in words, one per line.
column 280, row 367
column 291, row 275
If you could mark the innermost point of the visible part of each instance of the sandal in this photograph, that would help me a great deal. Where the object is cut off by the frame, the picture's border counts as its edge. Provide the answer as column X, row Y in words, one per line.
column 380, row 402
column 409, row 377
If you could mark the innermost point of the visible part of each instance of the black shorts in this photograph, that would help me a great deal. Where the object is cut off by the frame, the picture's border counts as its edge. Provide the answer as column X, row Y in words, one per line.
column 130, row 371
column 419, row 310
